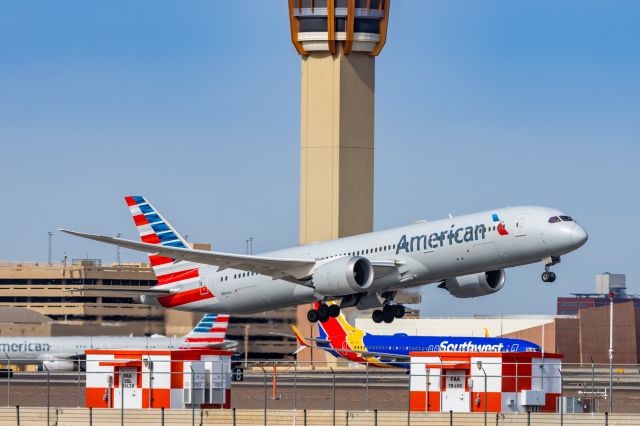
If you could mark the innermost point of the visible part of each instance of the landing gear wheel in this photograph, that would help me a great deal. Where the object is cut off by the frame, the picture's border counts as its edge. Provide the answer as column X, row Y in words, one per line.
column 312, row 316
column 323, row 310
column 552, row 277
column 399, row 311
column 377, row 316
column 323, row 318
column 388, row 315
column 546, row 276
column 334, row 311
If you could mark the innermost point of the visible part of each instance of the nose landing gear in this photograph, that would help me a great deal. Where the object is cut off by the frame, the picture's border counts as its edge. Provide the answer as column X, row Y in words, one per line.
column 547, row 275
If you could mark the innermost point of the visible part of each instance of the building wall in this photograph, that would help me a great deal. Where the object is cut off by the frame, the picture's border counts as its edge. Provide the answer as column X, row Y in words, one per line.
column 455, row 326
column 585, row 338
column 594, row 334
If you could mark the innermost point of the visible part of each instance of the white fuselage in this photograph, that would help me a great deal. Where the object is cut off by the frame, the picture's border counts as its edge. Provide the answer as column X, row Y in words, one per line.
column 21, row 350
column 425, row 253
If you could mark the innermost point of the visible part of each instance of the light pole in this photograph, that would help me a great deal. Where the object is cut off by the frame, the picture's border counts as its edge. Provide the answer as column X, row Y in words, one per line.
column 50, row 246
column 480, row 367
column 610, row 352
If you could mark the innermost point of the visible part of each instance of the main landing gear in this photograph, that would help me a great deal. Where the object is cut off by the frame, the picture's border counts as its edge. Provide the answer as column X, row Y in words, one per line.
column 323, row 313
column 547, row 275
column 388, row 313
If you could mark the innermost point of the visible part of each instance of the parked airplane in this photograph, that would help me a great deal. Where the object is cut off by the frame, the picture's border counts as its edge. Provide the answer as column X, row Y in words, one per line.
column 61, row 353
column 342, row 340
column 466, row 255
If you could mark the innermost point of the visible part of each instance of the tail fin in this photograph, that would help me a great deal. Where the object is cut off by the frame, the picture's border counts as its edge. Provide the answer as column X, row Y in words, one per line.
column 211, row 330
column 154, row 229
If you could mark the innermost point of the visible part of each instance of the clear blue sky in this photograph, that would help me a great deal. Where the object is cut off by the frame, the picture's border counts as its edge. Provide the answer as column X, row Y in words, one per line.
column 196, row 105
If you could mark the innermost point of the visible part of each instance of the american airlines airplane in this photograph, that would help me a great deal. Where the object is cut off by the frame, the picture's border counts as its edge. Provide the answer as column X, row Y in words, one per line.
column 63, row 352
column 465, row 255
column 342, row 340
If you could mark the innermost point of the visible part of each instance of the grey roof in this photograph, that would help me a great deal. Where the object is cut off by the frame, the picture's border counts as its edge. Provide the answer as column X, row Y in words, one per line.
column 9, row 314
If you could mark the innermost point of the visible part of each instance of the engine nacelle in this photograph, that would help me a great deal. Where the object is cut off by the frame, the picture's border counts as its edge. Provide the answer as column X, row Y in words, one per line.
column 58, row 365
column 475, row 285
column 346, row 275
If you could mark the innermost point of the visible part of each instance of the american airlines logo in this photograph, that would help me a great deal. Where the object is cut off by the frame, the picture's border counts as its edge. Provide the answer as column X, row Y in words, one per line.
column 25, row 347
column 449, row 236
column 439, row 239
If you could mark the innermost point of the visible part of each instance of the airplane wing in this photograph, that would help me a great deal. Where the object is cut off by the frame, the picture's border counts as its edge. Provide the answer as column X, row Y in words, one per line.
column 278, row 268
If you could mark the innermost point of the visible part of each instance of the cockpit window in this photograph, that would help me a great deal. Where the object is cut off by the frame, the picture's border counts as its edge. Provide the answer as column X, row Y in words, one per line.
column 554, row 219
column 567, row 218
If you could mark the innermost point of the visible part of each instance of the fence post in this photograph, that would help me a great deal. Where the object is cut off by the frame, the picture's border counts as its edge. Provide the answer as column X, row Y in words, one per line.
column 122, row 397
column 375, row 417
column 497, row 417
column 264, row 374
column 193, row 397
column 561, row 398
column 162, row 416
column 8, row 380
column 78, row 384
column 606, row 418
column 450, row 417
column 367, row 383
column 234, row 416
column 528, row 418
column 18, row 415
column 334, row 394
column 305, row 417
column 48, row 393
column 409, row 404
column 90, row 416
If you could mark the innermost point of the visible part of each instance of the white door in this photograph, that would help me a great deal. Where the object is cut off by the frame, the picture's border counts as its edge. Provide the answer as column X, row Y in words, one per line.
column 521, row 225
column 455, row 398
column 128, row 389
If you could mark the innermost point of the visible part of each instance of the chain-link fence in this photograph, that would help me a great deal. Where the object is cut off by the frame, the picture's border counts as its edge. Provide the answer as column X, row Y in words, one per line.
column 348, row 392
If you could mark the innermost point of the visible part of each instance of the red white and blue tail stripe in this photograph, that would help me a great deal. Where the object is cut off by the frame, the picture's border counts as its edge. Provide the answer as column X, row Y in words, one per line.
column 154, row 229
column 210, row 331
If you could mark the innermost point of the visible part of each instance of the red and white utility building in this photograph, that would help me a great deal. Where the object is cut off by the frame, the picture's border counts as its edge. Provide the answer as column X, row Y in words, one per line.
column 455, row 381
column 158, row 378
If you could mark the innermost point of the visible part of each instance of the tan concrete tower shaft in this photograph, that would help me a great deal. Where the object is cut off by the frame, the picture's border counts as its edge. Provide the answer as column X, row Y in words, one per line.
column 337, row 142
column 338, row 41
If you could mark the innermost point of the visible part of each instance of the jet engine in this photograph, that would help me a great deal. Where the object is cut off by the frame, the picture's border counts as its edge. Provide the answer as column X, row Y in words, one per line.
column 475, row 285
column 342, row 276
column 58, row 365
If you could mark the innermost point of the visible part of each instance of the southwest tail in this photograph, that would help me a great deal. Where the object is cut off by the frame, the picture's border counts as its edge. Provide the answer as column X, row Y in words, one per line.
column 183, row 275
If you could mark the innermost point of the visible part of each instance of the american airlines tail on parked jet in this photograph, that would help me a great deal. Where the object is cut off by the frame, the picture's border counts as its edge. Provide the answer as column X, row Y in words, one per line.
column 465, row 255
column 61, row 353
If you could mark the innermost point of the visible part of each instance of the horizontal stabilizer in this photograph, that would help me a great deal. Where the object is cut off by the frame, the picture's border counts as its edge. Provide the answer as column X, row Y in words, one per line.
column 149, row 291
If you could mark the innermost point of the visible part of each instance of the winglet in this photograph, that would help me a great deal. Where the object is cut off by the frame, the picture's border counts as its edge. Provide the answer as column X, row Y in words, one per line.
column 303, row 344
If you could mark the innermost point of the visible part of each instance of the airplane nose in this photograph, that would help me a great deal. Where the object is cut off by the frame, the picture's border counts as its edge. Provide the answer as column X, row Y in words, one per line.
column 578, row 235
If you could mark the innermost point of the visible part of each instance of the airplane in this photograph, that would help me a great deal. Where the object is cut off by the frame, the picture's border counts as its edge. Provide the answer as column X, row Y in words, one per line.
column 61, row 353
column 342, row 340
column 465, row 255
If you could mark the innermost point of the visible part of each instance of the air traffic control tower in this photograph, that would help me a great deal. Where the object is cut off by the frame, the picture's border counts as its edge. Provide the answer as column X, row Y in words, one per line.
column 338, row 41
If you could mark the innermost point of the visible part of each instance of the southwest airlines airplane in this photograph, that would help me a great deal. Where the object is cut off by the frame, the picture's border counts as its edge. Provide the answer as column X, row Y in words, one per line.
column 465, row 255
column 342, row 340
column 61, row 353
